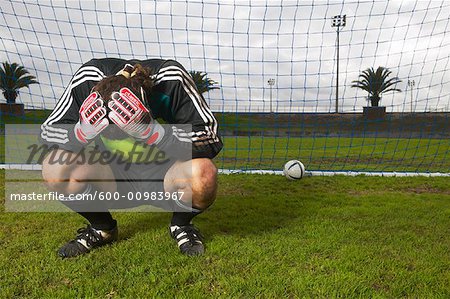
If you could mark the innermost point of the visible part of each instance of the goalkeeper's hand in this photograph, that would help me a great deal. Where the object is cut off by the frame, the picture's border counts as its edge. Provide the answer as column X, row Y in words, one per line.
column 130, row 115
column 92, row 119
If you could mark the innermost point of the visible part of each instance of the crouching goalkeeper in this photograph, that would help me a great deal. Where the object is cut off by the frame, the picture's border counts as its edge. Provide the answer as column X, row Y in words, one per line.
column 113, row 104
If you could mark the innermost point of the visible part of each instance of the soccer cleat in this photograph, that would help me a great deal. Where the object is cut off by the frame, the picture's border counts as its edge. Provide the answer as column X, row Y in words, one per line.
column 87, row 239
column 188, row 238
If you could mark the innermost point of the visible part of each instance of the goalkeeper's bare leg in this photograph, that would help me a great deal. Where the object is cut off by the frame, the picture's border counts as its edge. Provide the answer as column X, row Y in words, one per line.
column 82, row 178
column 198, row 180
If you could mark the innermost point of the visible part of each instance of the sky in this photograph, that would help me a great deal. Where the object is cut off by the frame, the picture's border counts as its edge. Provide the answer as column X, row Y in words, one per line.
column 242, row 44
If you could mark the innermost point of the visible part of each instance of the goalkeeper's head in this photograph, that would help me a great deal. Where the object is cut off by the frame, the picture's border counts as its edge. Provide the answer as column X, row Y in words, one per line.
column 136, row 78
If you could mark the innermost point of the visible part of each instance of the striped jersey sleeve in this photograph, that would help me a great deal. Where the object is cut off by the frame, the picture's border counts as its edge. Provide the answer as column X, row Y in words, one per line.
column 57, row 127
column 187, row 106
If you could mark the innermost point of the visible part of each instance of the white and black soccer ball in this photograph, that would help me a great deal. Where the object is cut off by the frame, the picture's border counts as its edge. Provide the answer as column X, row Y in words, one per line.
column 294, row 170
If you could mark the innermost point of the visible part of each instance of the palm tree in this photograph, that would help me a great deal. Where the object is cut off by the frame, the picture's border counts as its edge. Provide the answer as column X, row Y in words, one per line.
column 202, row 82
column 376, row 83
column 12, row 78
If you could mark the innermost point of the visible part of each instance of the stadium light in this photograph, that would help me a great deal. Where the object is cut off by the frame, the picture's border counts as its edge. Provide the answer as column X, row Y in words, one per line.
column 338, row 22
column 411, row 83
column 271, row 82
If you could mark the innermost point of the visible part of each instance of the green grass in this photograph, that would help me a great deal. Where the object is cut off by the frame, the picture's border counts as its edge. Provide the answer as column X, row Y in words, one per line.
column 266, row 237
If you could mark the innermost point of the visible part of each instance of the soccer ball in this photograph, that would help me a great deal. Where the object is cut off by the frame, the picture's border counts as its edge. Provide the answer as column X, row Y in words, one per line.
column 294, row 170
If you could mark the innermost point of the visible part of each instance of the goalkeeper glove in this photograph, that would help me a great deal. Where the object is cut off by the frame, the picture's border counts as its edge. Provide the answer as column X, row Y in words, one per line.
column 130, row 115
column 92, row 119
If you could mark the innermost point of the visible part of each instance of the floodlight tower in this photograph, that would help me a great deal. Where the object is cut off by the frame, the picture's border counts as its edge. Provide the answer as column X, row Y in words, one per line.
column 338, row 22
column 271, row 82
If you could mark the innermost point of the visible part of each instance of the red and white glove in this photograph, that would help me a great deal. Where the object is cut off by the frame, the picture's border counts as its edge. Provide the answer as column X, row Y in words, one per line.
column 92, row 119
column 129, row 114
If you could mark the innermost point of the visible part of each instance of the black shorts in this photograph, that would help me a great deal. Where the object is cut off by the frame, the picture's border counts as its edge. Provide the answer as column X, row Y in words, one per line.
column 143, row 185
column 137, row 185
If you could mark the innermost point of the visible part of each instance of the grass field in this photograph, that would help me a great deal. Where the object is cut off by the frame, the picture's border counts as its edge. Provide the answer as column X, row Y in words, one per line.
column 266, row 237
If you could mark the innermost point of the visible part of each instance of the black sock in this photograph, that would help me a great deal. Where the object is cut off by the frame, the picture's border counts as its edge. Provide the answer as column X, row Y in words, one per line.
column 100, row 220
column 183, row 218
